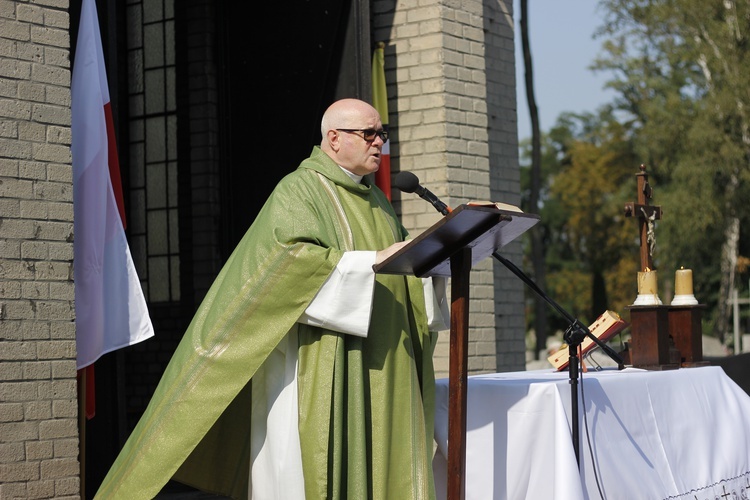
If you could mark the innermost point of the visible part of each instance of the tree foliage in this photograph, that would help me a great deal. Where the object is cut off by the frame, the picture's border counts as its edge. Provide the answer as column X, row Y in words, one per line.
column 588, row 167
column 681, row 74
column 683, row 68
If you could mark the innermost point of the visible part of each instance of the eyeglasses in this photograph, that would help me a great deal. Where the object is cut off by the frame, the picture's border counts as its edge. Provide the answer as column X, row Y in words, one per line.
column 368, row 134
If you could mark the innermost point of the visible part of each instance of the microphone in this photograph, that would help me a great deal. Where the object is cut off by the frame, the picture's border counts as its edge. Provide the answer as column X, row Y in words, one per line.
column 409, row 183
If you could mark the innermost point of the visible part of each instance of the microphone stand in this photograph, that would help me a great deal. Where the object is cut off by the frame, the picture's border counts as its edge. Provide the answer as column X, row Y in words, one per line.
column 575, row 333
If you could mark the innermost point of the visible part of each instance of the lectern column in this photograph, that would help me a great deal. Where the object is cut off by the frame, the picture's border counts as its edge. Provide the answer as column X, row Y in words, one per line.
column 459, row 359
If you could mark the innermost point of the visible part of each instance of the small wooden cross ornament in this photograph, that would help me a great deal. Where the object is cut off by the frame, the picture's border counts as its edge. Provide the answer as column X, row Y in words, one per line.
column 647, row 215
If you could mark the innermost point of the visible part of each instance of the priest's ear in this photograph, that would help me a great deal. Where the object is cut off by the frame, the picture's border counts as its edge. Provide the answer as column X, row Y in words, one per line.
column 332, row 140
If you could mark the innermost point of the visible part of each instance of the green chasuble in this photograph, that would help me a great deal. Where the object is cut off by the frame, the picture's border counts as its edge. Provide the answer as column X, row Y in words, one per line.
column 365, row 404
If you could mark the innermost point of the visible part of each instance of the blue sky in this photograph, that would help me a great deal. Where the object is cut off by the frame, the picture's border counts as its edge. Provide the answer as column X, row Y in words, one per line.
column 562, row 48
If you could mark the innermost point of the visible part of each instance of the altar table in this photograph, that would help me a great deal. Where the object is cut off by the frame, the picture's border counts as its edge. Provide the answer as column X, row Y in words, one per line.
column 676, row 434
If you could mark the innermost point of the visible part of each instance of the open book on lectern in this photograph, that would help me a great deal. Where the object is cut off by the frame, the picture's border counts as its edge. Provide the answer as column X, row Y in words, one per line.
column 482, row 226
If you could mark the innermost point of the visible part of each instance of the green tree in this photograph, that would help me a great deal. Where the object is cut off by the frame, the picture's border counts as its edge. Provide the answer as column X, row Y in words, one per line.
column 587, row 175
column 591, row 189
column 682, row 68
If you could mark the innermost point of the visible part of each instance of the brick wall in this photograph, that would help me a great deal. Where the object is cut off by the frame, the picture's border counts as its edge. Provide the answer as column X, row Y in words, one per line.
column 451, row 91
column 38, row 403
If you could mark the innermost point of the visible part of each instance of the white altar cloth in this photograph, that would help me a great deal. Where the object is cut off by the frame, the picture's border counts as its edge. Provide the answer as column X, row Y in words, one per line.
column 677, row 434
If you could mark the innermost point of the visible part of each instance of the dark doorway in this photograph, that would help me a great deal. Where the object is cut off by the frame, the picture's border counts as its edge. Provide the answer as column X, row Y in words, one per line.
column 281, row 69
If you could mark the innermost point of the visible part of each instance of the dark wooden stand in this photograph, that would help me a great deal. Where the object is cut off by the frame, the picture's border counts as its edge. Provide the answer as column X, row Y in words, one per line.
column 650, row 345
column 666, row 337
column 449, row 248
column 686, row 330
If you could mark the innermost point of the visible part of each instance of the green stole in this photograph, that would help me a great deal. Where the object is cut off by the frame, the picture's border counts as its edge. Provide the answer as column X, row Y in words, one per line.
column 365, row 405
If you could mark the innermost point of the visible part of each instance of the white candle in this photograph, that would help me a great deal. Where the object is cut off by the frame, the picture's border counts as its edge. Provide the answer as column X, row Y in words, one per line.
column 647, row 282
column 683, row 281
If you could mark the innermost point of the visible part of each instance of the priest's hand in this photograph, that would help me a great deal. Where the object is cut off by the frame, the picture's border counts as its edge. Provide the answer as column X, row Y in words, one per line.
column 387, row 252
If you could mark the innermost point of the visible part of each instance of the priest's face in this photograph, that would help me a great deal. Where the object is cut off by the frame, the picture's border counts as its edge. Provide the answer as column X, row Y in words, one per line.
column 361, row 148
column 355, row 136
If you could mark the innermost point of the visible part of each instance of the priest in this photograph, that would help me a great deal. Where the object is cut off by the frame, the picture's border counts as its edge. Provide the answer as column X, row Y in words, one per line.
column 303, row 375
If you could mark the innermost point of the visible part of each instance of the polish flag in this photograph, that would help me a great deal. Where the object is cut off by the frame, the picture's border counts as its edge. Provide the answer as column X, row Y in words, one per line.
column 111, row 310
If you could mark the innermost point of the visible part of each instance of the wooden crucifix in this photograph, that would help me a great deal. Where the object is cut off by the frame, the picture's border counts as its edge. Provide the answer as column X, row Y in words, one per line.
column 647, row 216
column 651, row 346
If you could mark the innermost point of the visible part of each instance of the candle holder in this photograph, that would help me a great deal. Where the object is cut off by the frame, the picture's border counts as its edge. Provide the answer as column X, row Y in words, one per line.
column 647, row 299
column 685, row 300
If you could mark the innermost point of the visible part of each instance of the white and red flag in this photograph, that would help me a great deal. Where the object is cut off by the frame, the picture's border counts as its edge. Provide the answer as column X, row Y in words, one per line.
column 111, row 310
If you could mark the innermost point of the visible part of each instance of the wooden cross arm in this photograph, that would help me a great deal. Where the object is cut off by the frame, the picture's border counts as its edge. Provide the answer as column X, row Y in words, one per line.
column 634, row 210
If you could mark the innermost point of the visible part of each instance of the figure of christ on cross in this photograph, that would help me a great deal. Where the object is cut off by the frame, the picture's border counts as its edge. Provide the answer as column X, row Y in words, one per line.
column 647, row 215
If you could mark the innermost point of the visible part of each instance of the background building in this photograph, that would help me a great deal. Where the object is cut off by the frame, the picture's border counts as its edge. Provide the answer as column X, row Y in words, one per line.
column 214, row 102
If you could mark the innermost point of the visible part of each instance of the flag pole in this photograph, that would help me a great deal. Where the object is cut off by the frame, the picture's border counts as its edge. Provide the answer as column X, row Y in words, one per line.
column 380, row 102
column 82, row 382
column 111, row 309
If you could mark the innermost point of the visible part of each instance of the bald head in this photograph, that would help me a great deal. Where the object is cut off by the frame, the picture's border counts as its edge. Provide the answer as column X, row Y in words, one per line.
column 346, row 113
column 343, row 140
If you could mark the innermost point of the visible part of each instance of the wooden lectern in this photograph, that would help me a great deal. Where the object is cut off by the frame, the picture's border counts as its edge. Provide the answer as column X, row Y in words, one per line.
column 450, row 248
